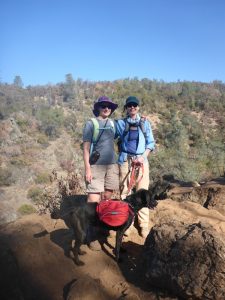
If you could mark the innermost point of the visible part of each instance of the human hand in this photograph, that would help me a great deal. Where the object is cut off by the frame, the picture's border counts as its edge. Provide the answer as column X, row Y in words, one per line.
column 140, row 159
column 88, row 175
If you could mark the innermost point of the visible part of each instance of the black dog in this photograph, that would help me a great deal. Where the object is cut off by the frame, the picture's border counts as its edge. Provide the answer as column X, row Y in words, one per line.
column 83, row 213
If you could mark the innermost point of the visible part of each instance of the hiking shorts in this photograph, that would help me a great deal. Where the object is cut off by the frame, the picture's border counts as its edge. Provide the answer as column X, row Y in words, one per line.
column 104, row 177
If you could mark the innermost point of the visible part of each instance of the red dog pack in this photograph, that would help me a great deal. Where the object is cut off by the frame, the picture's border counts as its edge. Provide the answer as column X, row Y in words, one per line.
column 113, row 212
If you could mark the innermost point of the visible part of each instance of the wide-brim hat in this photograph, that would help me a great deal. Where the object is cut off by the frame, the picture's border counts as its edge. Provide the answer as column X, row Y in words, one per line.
column 104, row 99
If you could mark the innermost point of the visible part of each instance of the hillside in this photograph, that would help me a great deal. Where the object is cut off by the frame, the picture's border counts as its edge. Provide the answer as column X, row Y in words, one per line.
column 41, row 157
column 41, row 131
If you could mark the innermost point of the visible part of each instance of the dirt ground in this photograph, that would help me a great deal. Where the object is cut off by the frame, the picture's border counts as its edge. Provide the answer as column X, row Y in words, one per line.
column 36, row 263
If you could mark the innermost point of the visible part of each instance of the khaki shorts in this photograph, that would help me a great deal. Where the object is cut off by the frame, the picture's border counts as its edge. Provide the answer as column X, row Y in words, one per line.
column 104, row 177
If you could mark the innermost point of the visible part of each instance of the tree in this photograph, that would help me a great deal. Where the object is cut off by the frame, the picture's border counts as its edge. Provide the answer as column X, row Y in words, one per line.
column 69, row 89
column 18, row 81
column 69, row 80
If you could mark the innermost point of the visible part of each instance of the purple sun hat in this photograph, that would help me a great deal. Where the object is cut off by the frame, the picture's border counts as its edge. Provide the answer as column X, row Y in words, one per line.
column 104, row 99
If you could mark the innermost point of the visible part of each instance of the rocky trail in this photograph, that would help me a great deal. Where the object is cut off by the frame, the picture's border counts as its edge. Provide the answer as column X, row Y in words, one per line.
column 182, row 257
column 35, row 264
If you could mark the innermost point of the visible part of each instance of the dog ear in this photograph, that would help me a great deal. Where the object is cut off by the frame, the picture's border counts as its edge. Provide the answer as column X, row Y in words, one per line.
column 143, row 197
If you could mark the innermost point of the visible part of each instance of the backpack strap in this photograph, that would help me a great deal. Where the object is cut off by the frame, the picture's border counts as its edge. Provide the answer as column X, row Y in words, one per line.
column 112, row 126
column 96, row 130
column 141, row 125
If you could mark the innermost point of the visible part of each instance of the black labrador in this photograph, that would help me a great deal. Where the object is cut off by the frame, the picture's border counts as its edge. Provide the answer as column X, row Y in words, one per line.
column 83, row 214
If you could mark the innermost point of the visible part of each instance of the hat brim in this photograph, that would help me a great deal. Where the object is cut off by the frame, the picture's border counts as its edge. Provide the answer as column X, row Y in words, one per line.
column 134, row 102
column 113, row 107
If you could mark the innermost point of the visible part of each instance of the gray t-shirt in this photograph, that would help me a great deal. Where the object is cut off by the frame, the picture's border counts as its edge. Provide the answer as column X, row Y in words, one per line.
column 105, row 145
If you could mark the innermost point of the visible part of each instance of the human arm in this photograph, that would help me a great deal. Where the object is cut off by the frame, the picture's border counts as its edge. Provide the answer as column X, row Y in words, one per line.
column 149, row 139
column 87, row 138
column 149, row 142
column 86, row 156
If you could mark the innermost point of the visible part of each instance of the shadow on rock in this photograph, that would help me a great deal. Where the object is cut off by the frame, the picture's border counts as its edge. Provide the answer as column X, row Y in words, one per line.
column 133, row 269
column 132, row 263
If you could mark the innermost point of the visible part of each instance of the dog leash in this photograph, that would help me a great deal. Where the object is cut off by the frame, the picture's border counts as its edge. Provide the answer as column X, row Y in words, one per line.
column 122, row 183
column 135, row 168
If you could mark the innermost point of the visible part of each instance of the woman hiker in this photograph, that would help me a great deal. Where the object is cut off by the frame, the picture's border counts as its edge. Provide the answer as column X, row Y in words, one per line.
column 101, row 168
column 136, row 142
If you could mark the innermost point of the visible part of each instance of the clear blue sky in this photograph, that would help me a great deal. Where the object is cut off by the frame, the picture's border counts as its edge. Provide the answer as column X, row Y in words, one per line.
column 43, row 40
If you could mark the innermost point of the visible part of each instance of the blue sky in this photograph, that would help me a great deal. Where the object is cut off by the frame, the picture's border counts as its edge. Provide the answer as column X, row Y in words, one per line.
column 170, row 40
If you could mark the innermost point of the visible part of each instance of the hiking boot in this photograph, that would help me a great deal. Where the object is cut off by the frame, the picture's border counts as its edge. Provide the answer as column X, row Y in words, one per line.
column 95, row 246
column 144, row 232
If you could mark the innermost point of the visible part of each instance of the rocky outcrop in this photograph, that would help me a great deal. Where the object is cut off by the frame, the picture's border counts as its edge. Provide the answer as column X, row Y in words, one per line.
column 185, row 250
column 10, row 131
column 187, row 260
column 188, row 213
column 210, row 195
column 7, row 213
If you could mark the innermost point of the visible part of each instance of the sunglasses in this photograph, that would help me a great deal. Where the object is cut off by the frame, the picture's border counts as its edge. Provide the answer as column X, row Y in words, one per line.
column 132, row 105
column 103, row 106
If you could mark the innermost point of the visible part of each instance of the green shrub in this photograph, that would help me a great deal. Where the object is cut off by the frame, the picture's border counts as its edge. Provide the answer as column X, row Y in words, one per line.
column 26, row 209
column 19, row 162
column 23, row 124
column 51, row 120
column 70, row 123
column 42, row 139
column 6, row 177
column 42, row 178
column 35, row 194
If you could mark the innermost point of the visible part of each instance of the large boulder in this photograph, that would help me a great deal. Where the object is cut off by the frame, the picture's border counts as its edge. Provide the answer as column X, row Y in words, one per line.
column 87, row 288
column 216, row 199
column 188, row 213
column 186, row 259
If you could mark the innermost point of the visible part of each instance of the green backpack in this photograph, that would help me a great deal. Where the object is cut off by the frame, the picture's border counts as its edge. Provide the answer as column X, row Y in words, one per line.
column 96, row 136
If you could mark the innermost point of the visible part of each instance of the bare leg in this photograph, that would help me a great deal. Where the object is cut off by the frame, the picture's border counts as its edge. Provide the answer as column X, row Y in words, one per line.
column 94, row 197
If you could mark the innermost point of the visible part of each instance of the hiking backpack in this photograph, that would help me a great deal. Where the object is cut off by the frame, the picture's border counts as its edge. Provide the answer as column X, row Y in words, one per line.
column 113, row 212
column 141, row 125
column 127, row 128
column 96, row 131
